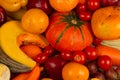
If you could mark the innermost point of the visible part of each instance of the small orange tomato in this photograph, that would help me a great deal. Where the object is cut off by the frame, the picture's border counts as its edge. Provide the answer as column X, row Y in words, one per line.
column 75, row 71
column 35, row 21
column 63, row 5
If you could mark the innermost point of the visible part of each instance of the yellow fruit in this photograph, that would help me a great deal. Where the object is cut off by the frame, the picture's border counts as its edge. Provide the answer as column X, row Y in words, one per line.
column 35, row 21
column 13, row 5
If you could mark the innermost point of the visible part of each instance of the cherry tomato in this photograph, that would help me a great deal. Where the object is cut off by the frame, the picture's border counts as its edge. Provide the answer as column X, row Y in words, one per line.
column 66, row 55
column 79, row 57
column 85, row 15
column 41, row 58
column 104, row 62
column 109, row 2
column 96, row 41
column 93, row 4
column 91, row 53
column 49, row 50
column 80, row 7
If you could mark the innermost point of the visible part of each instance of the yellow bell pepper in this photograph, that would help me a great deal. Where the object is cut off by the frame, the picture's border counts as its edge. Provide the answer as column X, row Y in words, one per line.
column 13, row 5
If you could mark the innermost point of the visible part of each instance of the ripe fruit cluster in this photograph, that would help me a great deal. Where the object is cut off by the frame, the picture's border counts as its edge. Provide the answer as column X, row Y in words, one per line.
column 87, row 61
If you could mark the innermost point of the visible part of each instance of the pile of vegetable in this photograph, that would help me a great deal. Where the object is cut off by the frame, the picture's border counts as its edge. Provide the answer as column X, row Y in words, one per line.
column 59, row 40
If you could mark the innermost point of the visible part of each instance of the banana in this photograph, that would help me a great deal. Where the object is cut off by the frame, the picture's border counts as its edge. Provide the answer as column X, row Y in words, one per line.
column 112, row 43
column 4, row 72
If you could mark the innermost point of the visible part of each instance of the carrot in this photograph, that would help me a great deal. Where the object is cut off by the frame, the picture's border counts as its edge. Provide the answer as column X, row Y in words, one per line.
column 33, row 75
column 21, row 76
column 113, row 53
column 31, row 50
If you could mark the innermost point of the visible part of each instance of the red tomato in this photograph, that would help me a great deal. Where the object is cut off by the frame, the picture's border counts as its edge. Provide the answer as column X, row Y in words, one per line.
column 79, row 57
column 41, row 58
column 80, row 7
column 91, row 53
column 93, row 4
column 85, row 15
column 104, row 62
column 66, row 32
column 66, row 55
column 49, row 50
column 96, row 41
column 109, row 2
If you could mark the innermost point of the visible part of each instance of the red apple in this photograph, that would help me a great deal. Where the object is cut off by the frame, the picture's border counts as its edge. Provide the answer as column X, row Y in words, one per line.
column 3, row 16
column 54, row 66
column 41, row 4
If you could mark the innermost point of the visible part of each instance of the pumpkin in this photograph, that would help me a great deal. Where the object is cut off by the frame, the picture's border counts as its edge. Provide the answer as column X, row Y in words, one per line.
column 14, row 66
column 67, row 32
column 106, row 23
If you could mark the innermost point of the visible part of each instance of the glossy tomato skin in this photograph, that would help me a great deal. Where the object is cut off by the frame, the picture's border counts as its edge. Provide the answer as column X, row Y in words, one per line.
column 49, row 50
column 85, row 15
column 91, row 53
column 70, row 39
column 109, row 2
column 41, row 58
column 104, row 62
column 80, row 7
column 66, row 55
column 93, row 4
column 97, row 41
column 79, row 57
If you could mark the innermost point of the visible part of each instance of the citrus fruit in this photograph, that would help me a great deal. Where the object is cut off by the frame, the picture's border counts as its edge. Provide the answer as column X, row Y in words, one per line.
column 35, row 21
column 63, row 5
column 75, row 71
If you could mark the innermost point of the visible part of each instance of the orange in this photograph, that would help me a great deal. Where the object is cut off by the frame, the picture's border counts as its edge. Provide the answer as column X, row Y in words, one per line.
column 31, row 50
column 63, row 5
column 75, row 71
column 35, row 21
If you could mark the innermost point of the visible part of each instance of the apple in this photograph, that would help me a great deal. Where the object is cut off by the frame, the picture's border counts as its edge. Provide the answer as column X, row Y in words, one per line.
column 54, row 66
column 3, row 16
column 41, row 4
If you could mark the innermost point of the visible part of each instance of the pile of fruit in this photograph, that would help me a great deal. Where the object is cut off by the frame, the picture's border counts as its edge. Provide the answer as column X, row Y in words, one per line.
column 59, row 40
